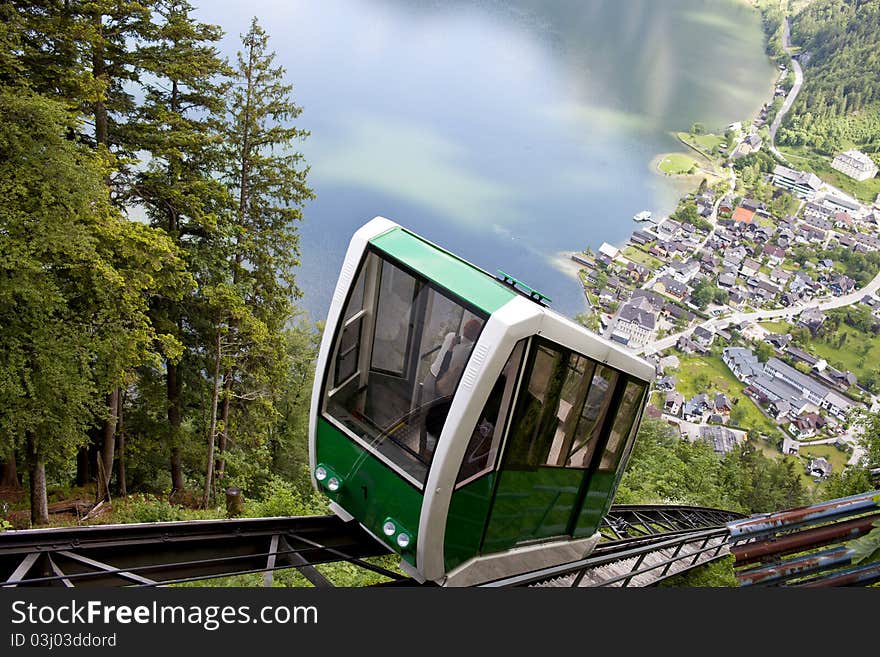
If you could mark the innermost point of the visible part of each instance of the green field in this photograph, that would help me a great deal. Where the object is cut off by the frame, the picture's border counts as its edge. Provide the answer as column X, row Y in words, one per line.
column 802, row 157
column 637, row 255
column 702, row 143
column 836, row 457
column 859, row 353
column 677, row 164
column 776, row 327
column 765, row 221
column 698, row 374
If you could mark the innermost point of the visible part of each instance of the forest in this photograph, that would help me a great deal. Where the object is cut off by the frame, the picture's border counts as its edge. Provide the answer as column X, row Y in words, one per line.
column 839, row 104
column 150, row 193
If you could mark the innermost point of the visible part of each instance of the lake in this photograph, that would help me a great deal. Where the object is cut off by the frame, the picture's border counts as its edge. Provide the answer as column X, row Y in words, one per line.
column 506, row 132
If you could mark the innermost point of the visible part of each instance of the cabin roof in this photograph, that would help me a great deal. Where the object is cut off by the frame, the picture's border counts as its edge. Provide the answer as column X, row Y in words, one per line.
column 460, row 277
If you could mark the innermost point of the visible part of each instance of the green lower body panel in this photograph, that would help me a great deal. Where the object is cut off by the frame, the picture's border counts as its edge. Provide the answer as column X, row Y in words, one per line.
column 371, row 491
column 596, row 504
column 466, row 522
column 530, row 505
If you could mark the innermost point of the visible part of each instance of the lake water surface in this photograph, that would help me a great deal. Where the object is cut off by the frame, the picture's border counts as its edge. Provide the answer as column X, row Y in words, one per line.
column 507, row 132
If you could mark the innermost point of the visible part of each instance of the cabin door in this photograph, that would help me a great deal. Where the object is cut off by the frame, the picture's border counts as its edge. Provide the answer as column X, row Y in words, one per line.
column 560, row 419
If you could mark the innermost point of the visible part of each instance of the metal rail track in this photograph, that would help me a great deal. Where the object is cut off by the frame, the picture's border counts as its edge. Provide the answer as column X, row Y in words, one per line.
column 633, row 562
column 161, row 554
column 154, row 554
column 632, row 520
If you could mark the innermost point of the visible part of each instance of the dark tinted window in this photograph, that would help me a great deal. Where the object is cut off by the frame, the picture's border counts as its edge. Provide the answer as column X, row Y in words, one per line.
column 561, row 410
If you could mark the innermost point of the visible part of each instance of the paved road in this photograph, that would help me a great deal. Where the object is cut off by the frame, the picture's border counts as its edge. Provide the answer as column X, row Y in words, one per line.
column 798, row 81
column 762, row 315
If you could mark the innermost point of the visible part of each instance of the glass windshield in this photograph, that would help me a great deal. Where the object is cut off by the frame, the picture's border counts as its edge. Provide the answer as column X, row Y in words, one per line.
column 397, row 360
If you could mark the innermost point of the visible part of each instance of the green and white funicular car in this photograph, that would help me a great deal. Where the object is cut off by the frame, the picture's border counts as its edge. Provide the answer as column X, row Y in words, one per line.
column 473, row 430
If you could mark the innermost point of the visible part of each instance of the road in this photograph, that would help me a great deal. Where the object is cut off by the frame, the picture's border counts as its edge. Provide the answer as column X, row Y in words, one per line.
column 762, row 315
column 792, row 94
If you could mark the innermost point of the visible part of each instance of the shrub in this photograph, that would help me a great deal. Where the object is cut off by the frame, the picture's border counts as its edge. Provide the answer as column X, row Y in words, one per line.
column 282, row 498
column 147, row 508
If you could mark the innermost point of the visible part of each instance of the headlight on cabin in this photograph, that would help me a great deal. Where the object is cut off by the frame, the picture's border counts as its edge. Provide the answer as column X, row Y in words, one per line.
column 328, row 478
column 396, row 533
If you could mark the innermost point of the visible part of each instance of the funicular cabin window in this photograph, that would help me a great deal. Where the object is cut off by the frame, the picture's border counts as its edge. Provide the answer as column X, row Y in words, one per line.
column 398, row 357
column 623, row 431
column 479, row 458
column 592, row 417
column 561, row 409
column 352, row 327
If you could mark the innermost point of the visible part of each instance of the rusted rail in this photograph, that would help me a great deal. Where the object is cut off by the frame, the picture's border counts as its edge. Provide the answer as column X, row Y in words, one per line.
column 807, row 546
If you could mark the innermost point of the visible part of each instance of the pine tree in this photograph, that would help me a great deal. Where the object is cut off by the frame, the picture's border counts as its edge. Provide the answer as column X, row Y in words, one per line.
column 267, row 180
column 178, row 125
column 87, row 53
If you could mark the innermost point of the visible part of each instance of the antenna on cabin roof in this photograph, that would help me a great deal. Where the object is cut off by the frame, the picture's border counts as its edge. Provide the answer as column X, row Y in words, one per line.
column 523, row 289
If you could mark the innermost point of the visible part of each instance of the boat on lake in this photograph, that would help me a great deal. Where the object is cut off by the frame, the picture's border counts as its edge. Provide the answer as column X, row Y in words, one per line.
column 644, row 215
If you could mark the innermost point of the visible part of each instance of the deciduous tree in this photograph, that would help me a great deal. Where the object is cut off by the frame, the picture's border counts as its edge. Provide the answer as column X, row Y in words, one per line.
column 75, row 283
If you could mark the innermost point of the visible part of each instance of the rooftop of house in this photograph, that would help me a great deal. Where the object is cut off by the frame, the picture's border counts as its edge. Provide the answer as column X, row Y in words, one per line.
column 855, row 158
column 774, row 366
column 673, row 285
column 771, row 250
column 722, row 439
column 634, row 313
column 743, row 215
column 810, row 180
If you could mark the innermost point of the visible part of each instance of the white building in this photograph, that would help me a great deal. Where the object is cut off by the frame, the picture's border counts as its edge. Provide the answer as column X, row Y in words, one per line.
column 804, row 185
column 609, row 251
column 855, row 164
column 636, row 324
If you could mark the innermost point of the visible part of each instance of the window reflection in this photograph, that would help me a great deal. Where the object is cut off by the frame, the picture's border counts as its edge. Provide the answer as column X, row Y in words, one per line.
column 592, row 417
column 623, row 425
column 563, row 409
column 485, row 440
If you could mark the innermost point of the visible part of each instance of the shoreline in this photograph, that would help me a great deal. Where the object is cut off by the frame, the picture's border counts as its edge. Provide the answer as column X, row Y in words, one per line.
column 709, row 169
column 711, row 176
column 562, row 262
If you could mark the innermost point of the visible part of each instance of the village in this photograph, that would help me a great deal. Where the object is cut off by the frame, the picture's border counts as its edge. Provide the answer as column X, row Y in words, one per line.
column 760, row 316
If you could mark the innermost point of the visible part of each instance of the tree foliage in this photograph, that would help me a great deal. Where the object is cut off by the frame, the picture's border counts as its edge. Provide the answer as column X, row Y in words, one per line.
column 665, row 469
column 163, row 335
column 76, row 283
column 703, row 293
column 839, row 103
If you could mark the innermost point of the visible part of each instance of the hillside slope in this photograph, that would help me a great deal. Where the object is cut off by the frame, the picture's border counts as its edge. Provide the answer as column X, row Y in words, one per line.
column 839, row 105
